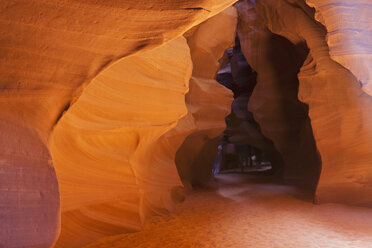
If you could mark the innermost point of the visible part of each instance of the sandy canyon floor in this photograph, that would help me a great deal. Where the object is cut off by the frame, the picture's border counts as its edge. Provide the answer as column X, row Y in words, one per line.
column 241, row 211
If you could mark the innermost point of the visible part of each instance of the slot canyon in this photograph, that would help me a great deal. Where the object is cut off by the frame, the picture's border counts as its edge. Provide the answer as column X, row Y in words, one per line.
column 186, row 124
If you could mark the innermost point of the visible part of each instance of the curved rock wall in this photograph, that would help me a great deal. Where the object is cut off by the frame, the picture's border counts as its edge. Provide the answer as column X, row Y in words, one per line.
column 349, row 35
column 105, row 147
column 274, row 103
column 114, row 149
column 208, row 102
column 49, row 50
column 338, row 107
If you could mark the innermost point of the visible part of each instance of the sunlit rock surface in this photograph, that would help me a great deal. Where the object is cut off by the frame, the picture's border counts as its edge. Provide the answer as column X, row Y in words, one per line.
column 349, row 35
column 338, row 108
column 105, row 148
column 114, row 149
column 49, row 50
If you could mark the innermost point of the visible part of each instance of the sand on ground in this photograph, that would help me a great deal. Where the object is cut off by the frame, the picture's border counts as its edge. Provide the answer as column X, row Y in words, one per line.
column 240, row 211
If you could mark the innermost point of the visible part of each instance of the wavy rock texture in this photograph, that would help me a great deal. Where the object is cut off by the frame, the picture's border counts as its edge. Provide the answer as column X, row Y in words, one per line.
column 105, row 148
column 339, row 109
column 49, row 50
column 208, row 102
column 114, row 149
column 349, row 35
column 274, row 104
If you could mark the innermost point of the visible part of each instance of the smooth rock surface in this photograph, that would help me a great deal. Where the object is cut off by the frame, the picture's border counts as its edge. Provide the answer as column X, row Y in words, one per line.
column 113, row 163
column 349, row 35
column 50, row 51
column 338, row 108
column 105, row 147
column 114, row 150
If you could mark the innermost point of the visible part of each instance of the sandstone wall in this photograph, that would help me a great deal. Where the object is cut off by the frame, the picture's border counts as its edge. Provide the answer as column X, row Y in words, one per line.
column 338, row 108
column 109, row 167
column 114, row 150
column 208, row 102
column 274, row 103
column 50, row 51
column 349, row 35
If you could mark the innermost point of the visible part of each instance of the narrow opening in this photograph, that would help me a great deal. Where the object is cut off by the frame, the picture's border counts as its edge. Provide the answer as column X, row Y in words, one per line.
column 243, row 147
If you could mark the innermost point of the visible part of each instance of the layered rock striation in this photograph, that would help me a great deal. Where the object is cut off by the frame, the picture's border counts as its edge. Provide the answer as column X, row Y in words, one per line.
column 114, row 150
column 51, row 50
column 349, row 33
column 105, row 148
column 108, row 80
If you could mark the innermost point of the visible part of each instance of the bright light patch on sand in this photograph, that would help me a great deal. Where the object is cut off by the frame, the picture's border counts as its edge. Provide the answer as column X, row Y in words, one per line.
column 241, row 212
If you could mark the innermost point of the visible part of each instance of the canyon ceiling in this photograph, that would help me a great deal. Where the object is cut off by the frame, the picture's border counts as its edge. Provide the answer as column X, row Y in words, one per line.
column 109, row 111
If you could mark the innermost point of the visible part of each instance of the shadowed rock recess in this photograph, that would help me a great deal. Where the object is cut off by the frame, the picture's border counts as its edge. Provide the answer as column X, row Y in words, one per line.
column 110, row 111
column 339, row 109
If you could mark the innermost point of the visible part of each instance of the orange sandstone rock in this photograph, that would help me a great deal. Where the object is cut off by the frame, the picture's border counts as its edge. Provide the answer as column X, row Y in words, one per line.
column 208, row 102
column 50, row 51
column 105, row 148
column 274, row 102
column 338, row 108
column 114, row 149
column 349, row 35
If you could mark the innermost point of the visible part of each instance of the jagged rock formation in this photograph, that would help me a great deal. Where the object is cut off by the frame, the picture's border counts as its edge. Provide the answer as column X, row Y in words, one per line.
column 241, row 128
column 207, row 43
column 51, row 51
column 274, row 103
column 338, row 108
